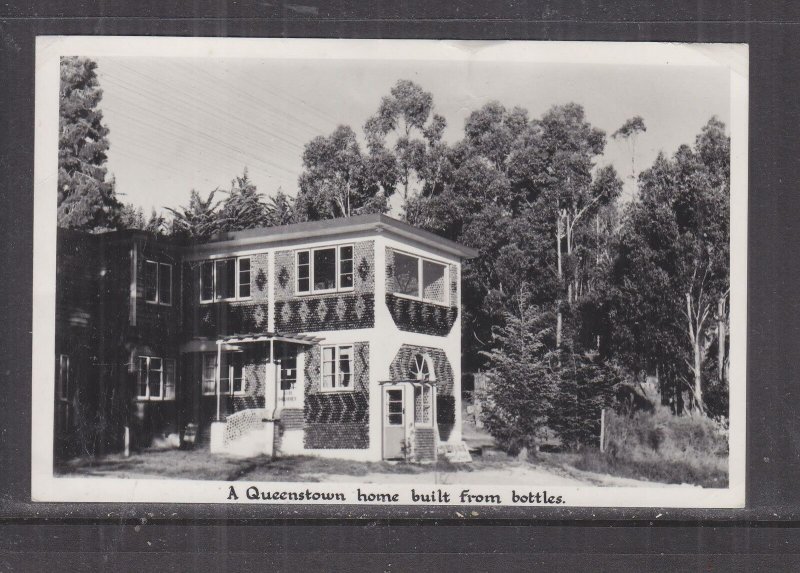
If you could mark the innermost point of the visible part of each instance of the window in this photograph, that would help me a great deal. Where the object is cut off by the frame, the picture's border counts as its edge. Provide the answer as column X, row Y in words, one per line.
column 225, row 279
column 288, row 358
column 156, row 380
column 394, row 407
column 406, row 271
column 62, row 385
column 150, row 281
column 231, row 375
column 244, row 277
column 420, row 368
column 158, row 282
column 337, row 367
column 346, row 267
column 423, row 403
column 164, row 283
column 325, row 270
column 420, row 278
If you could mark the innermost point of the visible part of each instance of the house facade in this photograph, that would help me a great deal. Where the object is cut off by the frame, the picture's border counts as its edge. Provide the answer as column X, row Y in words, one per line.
column 336, row 338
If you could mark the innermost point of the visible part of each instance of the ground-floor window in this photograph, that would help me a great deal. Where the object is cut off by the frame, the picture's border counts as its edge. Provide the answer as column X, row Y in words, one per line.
column 288, row 358
column 156, row 378
column 337, row 367
column 231, row 379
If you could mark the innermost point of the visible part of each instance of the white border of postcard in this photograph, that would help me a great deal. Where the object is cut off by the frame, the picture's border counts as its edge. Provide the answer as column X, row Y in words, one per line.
column 46, row 487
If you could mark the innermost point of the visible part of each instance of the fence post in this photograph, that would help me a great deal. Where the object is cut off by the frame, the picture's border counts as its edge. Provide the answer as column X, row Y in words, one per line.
column 602, row 430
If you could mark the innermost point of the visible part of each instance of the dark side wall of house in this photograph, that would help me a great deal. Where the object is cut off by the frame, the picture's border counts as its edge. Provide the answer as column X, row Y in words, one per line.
column 104, row 334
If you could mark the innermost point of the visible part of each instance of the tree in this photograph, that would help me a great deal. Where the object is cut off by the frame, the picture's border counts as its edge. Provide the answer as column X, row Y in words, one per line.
column 198, row 220
column 671, row 278
column 338, row 180
column 132, row 218
column 280, row 210
column 519, row 400
column 243, row 208
column 86, row 199
column 417, row 147
column 629, row 132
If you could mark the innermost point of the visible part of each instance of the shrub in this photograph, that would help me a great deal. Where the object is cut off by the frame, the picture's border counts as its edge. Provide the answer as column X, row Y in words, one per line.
column 660, row 446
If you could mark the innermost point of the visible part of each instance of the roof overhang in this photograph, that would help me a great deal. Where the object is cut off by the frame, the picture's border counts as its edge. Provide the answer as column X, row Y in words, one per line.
column 362, row 224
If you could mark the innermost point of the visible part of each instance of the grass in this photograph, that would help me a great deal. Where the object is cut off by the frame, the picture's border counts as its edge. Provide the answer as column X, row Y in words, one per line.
column 201, row 465
column 658, row 447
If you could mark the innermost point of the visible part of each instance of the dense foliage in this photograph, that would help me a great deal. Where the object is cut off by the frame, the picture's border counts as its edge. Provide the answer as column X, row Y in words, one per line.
column 86, row 198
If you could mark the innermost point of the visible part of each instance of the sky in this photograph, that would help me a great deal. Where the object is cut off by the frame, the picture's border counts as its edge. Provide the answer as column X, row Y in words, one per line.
column 181, row 124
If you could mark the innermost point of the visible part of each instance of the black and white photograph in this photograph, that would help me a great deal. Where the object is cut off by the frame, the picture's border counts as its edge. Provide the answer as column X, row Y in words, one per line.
column 397, row 272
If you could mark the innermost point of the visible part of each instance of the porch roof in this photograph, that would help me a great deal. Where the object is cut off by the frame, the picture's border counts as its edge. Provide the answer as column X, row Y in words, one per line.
column 293, row 338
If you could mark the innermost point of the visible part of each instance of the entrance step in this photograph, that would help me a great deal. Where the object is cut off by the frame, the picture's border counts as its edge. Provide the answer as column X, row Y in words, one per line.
column 455, row 453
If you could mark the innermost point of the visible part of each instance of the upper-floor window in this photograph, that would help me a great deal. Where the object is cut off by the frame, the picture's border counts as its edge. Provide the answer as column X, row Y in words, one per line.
column 158, row 282
column 156, row 378
column 420, row 278
column 225, row 279
column 326, row 269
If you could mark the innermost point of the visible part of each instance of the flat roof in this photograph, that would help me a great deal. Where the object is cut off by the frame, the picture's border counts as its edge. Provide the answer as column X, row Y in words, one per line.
column 328, row 227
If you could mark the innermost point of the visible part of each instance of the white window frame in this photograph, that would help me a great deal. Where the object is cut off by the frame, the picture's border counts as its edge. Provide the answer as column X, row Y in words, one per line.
column 239, row 282
column 158, row 283
column 231, row 369
column 338, row 266
column 420, row 286
column 236, row 283
column 337, row 375
column 163, row 382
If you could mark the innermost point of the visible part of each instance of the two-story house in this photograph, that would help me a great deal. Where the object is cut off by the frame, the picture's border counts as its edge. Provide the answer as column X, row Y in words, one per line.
column 336, row 338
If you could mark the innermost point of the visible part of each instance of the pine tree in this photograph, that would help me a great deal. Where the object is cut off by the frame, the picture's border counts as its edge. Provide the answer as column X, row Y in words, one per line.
column 86, row 199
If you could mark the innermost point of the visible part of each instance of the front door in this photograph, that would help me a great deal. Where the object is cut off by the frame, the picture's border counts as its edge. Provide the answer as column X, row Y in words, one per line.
column 394, row 424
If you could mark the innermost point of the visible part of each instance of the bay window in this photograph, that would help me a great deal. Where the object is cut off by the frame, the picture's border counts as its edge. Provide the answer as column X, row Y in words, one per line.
column 420, row 278
column 326, row 269
column 337, row 367
column 225, row 279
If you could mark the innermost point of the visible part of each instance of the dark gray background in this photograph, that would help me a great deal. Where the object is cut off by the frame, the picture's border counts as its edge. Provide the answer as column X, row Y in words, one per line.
column 562, row 539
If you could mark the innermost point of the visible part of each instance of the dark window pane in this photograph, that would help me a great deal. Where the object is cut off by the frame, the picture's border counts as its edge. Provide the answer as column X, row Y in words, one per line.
column 207, row 281
column 244, row 278
column 346, row 253
column 302, row 285
column 142, row 387
column 154, row 377
column 325, row 269
column 406, row 272
column 165, row 284
column 150, row 280
column 395, row 419
column 226, row 279
column 302, row 257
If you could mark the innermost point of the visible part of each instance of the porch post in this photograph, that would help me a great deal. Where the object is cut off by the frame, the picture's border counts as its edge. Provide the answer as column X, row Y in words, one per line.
column 218, row 381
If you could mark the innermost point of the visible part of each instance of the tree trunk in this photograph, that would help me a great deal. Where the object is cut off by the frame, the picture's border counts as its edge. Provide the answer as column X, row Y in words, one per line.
column 559, row 234
column 694, row 337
